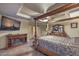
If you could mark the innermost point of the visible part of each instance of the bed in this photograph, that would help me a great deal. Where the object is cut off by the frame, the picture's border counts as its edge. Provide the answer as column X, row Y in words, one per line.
column 58, row 46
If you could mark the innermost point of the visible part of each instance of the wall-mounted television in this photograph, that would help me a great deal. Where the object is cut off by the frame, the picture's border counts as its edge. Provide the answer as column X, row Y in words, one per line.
column 9, row 24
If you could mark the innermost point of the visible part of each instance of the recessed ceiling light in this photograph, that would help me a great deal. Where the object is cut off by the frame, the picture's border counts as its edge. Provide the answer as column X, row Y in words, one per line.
column 53, row 21
column 47, row 17
column 23, row 15
column 44, row 20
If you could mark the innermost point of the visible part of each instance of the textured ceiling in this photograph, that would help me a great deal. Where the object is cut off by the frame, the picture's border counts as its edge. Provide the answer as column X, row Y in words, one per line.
column 9, row 9
column 39, row 7
column 28, row 9
column 55, row 6
column 34, row 9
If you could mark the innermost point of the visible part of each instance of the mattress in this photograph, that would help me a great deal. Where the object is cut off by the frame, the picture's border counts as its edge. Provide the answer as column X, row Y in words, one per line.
column 61, row 45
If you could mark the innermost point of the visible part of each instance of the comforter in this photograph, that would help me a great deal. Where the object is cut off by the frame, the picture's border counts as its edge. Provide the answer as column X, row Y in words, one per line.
column 61, row 45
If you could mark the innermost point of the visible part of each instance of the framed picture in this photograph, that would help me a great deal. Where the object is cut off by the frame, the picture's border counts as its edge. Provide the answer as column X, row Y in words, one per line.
column 74, row 25
column 9, row 24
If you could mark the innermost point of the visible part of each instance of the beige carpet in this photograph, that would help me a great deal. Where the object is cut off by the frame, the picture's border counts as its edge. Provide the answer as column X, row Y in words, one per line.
column 23, row 50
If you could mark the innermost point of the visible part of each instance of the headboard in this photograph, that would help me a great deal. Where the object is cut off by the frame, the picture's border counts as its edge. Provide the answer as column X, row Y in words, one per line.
column 58, row 30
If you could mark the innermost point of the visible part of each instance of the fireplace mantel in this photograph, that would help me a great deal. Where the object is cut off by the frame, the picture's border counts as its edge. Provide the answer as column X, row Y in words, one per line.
column 19, row 39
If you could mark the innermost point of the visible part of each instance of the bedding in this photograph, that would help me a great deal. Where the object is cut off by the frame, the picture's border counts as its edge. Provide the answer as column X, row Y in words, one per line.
column 61, row 45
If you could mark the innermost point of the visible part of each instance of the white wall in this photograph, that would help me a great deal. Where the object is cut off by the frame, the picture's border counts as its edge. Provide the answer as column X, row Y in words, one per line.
column 25, row 27
column 3, row 42
column 41, row 30
column 72, row 32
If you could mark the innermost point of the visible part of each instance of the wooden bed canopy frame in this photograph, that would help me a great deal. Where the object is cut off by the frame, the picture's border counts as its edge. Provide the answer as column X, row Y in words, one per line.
column 66, row 7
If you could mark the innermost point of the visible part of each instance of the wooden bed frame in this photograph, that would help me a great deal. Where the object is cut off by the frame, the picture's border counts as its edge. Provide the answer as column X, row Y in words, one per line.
column 58, row 10
column 46, row 51
column 61, row 34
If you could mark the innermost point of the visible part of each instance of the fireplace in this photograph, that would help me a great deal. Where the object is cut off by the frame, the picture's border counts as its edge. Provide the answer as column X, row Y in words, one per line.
column 16, row 40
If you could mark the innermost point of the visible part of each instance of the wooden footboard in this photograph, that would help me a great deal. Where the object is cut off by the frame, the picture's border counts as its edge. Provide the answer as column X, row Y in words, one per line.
column 47, row 52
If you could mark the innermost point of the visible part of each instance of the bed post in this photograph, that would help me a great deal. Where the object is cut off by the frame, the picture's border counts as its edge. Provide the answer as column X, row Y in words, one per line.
column 35, row 30
column 35, row 36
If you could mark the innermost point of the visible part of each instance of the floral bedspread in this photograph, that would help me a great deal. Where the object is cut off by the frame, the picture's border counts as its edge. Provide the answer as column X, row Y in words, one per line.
column 61, row 48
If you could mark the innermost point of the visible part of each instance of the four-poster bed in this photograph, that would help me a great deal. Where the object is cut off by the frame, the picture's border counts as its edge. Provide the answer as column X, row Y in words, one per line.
column 56, row 44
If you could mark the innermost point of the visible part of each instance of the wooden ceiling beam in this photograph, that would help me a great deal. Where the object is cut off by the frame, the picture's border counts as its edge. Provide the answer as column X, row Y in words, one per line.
column 58, row 10
column 72, row 18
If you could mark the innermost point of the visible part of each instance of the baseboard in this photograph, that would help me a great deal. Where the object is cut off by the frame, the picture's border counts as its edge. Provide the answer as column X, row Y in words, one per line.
column 3, row 48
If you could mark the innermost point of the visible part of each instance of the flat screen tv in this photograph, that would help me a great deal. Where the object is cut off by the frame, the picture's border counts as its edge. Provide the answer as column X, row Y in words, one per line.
column 9, row 24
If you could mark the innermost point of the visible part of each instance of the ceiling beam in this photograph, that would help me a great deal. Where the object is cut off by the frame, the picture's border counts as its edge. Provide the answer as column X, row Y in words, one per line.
column 72, row 18
column 58, row 10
